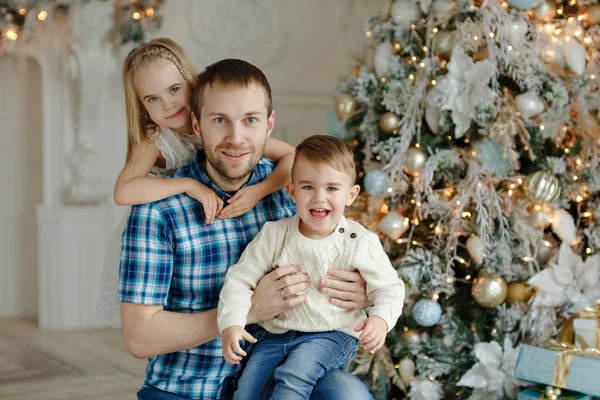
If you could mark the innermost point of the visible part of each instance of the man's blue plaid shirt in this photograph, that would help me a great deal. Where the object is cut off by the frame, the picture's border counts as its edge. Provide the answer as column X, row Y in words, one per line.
column 171, row 257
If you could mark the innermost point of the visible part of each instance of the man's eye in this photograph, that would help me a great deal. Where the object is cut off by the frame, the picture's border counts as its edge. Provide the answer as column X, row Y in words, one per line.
column 252, row 120
column 220, row 120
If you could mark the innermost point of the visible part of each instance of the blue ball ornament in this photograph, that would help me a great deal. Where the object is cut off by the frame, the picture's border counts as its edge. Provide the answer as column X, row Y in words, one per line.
column 427, row 312
column 376, row 183
column 523, row 4
column 335, row 126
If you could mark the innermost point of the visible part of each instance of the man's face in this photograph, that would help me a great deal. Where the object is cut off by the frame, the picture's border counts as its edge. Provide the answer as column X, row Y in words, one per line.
column 234, row 127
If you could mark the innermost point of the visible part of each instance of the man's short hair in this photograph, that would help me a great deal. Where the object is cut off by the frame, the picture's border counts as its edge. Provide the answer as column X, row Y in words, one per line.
column 327, row 150
column 230, row 72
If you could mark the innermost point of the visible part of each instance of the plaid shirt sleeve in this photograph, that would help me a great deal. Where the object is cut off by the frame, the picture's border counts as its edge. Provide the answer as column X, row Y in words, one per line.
column 146, row 257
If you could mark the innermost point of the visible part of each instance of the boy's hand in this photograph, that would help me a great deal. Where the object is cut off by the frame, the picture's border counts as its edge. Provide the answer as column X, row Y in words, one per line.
column 243, row 201
column 374, row 330
column 211, row 203
column 232, row 351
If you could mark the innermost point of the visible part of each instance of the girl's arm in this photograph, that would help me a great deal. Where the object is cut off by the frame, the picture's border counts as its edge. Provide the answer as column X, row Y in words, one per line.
column 133, row 185
column 245, row 199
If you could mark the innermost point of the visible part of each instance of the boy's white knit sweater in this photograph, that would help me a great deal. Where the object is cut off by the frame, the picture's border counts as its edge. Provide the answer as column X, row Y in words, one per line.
column 350, row 247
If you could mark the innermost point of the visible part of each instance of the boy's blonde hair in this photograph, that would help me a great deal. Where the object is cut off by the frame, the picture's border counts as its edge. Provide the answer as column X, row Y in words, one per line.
column 139, row 124
column 323, row 149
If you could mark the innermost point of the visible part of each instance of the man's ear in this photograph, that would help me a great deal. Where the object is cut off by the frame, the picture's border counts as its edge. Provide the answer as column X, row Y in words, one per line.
column 291, row 190
column 270, row 123
column 195, row 125
column 354, row 190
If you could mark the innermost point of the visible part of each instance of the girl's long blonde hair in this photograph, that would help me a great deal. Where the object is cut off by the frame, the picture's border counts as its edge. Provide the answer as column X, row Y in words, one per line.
column 139, row 124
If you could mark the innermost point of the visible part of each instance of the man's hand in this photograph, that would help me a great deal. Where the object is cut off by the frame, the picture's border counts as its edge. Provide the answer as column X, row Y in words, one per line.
column 374, row 330
column 347, row 290
column 232, row 351
column 274, row 293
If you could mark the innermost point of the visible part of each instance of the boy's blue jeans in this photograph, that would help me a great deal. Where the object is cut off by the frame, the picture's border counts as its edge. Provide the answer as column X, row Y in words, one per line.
column 294, row 361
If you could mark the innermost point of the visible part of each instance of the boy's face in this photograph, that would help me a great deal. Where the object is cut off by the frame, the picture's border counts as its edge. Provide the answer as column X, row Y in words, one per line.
column 321, row 194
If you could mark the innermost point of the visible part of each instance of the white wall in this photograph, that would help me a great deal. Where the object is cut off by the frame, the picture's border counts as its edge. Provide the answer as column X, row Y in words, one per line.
column 20, row 183
column 304, row 47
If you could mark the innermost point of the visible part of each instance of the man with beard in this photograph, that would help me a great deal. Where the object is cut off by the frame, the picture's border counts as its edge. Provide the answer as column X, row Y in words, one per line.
column 173, row 263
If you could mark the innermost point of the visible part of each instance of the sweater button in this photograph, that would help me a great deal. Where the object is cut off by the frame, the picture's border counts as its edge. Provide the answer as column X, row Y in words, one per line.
column 341, row 230
column 353, row 235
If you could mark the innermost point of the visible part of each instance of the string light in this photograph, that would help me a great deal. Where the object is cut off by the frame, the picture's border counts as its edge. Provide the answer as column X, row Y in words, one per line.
column 42, row 15
column 579, row 199
column 509, row 48
column 435, row 30
column 491, row 34
column 468, row 277
column 12, row 35
column 433, row 82
column 413, row 27
column 588, row 251
column 136, row 15
column 23, row 11
column 411, row 77
column 575, row 177
column 414, row 58
column 436, row 296
column 382, row 80
column 587, row 214
column 150, row 11
column 390, row 190
column 559, row 11
column 368, row 33
column 542, row 127
column 425, row 48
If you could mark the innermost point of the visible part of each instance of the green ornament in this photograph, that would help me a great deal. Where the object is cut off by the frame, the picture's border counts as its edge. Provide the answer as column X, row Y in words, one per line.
column 542, row 187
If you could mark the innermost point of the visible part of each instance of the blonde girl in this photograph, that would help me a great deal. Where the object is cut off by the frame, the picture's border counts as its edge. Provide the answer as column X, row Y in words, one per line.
column 158, row 80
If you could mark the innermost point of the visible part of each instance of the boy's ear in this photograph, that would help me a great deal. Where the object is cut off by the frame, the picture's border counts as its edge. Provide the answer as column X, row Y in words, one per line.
column 354, row 190
column 291, row 190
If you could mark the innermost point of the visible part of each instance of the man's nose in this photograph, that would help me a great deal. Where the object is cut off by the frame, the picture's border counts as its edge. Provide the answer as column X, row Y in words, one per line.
column 235, row 134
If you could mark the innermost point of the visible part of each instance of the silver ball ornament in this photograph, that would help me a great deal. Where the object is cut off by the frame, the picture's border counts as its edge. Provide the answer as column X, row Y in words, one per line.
column 394, row 225
column 414, row 161
column 489, row 289
column 546, row 249
column 376, row 182
column 529, row 104
column 539, row 219
column 389, row 122
column 427, row 312
column 545, row 11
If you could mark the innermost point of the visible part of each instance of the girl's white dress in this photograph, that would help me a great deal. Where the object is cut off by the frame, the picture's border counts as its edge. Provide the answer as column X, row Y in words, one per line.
column 178, row 150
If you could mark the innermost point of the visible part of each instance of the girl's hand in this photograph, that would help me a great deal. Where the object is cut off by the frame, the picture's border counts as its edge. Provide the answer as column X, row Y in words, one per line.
column 374, row 330
column 211, row 203
column 243, row 201
column 232, row 351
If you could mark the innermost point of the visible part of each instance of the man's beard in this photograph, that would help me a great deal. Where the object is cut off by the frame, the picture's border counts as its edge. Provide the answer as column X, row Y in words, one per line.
column 227, row 174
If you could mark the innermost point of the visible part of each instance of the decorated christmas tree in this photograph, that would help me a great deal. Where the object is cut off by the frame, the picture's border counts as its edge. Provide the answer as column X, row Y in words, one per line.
column 476, row 128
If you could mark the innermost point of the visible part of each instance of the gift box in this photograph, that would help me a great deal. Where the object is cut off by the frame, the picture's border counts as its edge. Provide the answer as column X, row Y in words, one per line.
column 560, row 365
column 589, row 330
column 538, row 392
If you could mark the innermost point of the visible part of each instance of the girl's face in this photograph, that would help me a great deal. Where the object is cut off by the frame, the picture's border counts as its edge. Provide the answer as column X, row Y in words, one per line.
column 165, row 95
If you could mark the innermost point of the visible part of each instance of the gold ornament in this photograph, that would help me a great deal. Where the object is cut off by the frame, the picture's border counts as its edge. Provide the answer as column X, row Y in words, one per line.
column 389, row 122
column 518, row 292
column 545, row 11
column 414, row 160
column 542, row 187
column 489, row 289
column 412, row 336
column 443, row 43
column 539, row 219
column 593, row 14
column 344, row 106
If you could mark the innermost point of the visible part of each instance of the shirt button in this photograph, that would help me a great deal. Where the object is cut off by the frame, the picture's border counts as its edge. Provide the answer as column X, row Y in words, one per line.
column 353, row 235
column 341, row 230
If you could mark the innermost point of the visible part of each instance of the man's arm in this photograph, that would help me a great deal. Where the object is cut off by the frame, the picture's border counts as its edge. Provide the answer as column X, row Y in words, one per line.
column 150, row 331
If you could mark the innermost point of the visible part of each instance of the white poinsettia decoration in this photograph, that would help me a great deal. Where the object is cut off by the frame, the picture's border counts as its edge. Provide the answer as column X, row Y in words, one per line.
column 569, row 280
column 424, row 389
column 492, row 377
column 463, row 89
